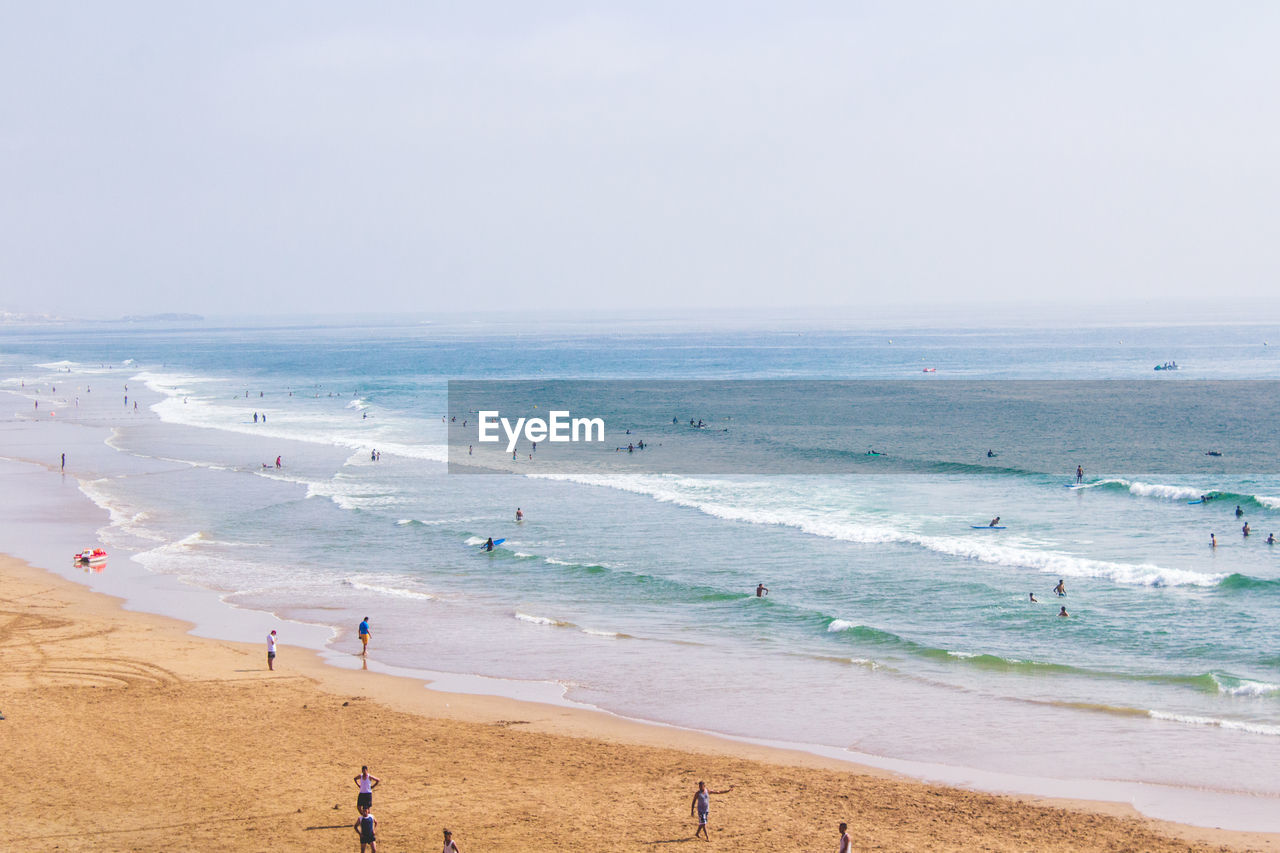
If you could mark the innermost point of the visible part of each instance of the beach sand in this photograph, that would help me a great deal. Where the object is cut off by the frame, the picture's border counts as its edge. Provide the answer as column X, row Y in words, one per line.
column 123, row 732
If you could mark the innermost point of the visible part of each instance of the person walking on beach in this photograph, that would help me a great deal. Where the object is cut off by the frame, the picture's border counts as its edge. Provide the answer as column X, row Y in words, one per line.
column 846, row 843
column 702, row 805
column 366, row 784
column 364, row 637
column 367, row 829
column 449, row 846
column 271, row 651
column 64, row 462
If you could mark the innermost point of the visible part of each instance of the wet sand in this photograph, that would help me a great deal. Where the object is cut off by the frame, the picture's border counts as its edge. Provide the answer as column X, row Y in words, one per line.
column 124, row 732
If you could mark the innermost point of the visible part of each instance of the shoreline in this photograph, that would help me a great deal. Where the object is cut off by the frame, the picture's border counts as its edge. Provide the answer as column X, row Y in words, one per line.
column 171, row 662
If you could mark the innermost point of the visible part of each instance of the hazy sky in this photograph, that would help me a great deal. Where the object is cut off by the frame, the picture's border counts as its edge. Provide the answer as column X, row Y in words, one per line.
column 336, row 157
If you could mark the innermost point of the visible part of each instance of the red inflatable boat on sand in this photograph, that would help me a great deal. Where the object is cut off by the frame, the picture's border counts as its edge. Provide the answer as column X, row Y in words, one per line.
column 91, row 555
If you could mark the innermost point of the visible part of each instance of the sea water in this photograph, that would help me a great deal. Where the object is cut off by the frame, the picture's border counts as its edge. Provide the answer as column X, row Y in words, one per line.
column 892, row 628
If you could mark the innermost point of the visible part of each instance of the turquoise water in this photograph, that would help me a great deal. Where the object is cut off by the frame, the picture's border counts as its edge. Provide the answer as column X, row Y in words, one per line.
column 892, row 627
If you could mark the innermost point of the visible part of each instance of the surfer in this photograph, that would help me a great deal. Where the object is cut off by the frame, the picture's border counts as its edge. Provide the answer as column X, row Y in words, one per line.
column 519, row 514
column 1239, row 511
column 1061, row 588
column 761, row 590
column 1032, row 595
column 488, row 546
column 1213, row 541
column 1245, row 529
column 1079, row 475
column 991, row 454
column 1063, row 611
column 994, row 521
column 1271, row 539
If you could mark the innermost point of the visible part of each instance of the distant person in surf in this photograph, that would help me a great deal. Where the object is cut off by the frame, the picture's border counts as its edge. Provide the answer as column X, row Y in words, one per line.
column 1239, row 511
column 761, row 590
column 994, row 521
column 278, row 465
column 991, row 454
column 488, row 546
column 1063, row 612
column 519, row 514
column 1033, row 598
column 1245, row 529
column 1213, row 541
column 1079, row 475
column 1271, row 539
column 1061, row 588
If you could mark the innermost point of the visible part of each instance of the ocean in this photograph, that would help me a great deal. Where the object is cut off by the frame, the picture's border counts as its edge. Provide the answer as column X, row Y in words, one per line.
column 894, row 632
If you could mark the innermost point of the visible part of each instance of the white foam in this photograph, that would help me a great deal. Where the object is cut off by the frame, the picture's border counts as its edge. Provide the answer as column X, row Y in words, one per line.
column 593, row 632
column 841, row 625
column 383, row 589
column 1244, row 687
column 1234, row 725
column 1159, row 490
column 542, row 620
column 711, row 498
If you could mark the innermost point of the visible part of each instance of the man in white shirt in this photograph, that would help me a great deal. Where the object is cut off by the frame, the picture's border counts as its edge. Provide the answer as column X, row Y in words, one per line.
column 366, row 783
column 271, row 651
column 846, row 843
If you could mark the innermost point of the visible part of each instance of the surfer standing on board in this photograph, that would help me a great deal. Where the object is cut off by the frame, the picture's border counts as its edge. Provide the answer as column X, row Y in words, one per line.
column 1079, row 475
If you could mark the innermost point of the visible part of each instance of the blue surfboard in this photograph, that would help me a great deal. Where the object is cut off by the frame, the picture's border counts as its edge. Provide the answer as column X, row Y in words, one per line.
column 987, row 527
column 1196, row 501
column 496, row 543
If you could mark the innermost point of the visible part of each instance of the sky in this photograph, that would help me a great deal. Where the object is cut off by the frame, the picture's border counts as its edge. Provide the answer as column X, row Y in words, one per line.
column 417, row 157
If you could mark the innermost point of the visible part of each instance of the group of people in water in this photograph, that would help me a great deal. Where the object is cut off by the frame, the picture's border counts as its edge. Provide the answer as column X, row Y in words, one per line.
column 1244, row 530
column 1060, row 590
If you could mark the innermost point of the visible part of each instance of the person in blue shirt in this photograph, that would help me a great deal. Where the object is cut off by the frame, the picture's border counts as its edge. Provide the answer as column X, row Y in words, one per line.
column 364, row 637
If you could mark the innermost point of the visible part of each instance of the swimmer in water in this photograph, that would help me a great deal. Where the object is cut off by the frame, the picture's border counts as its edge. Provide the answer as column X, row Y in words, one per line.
column 1271, row 539
column 1032, row 596
column 1245, row 529
column 1061, row 588
column 1239, row 511
column 519, row 514
column 761, row 590
column 1063, row 612
column 1213, row 541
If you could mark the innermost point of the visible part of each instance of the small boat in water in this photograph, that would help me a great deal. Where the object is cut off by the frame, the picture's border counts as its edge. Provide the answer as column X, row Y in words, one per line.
column 1168, row 365
column 91, row 555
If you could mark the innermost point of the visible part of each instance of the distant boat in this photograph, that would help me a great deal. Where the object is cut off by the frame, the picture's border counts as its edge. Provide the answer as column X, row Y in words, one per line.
column 1168, row 365
column 930, row 370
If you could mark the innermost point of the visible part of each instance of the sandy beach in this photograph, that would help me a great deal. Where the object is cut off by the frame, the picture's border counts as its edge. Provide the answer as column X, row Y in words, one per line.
column 130, row 734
